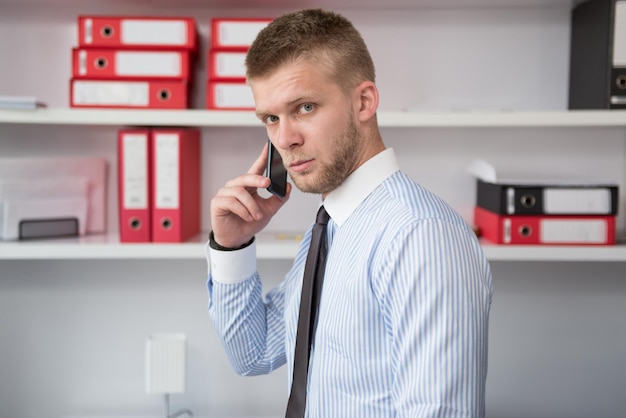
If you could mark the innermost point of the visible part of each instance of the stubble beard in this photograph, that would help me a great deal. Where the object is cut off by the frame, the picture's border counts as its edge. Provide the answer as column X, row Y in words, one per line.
column 327, row 177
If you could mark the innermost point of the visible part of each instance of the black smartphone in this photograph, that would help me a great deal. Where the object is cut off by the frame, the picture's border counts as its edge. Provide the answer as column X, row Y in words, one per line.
column 276, row 172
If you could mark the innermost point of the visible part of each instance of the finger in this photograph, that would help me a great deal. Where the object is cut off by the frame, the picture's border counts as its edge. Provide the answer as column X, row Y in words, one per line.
column 249, row 181
column 274, row 203
column 244, row 198
column 226, row 205
column 258, row 167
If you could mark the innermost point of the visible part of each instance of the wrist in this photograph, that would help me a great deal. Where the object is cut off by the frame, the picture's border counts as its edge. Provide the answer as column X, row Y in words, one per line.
column 217, row 246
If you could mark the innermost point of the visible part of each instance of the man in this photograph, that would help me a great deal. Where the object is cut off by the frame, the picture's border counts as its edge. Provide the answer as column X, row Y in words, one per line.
column 403, row 314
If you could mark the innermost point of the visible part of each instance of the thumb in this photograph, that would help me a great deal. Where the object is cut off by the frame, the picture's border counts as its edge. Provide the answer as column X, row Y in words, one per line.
column 274, row 203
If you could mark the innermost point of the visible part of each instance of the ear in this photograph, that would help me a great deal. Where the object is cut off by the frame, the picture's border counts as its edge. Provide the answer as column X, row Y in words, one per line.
column 366, row 100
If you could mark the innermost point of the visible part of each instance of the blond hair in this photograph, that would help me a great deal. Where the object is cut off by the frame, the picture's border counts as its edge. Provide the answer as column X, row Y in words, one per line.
column 318, row 36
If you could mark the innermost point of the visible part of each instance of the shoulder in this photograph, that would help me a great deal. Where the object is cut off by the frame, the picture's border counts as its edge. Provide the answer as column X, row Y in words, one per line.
column 406, row 201
column 405, row 216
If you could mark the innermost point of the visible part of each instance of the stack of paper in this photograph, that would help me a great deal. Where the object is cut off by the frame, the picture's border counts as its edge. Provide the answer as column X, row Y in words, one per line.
column 52, row 197
column 20, row 102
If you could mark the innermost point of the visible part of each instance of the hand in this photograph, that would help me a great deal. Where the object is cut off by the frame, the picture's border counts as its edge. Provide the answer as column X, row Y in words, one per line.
column 238, row 212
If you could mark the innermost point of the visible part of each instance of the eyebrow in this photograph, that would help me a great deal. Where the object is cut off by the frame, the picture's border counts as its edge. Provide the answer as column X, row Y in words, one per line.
column 300, row 98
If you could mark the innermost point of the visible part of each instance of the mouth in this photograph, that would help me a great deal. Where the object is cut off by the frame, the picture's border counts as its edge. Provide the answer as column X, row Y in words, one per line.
column 300, row 165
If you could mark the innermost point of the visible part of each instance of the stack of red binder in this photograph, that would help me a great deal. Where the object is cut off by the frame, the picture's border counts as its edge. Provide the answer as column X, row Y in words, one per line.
column 133, row 62
column 226, row 80
column 553, row 213
column 159, row 173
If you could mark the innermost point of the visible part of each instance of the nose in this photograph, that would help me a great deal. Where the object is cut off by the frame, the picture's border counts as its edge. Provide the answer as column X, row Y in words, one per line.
column 288, row 134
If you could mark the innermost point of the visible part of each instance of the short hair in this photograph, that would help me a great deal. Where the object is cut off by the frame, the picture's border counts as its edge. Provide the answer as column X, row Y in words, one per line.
column 315, row 34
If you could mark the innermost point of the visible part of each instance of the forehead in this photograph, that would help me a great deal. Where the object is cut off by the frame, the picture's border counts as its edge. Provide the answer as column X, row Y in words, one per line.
column 291, row 82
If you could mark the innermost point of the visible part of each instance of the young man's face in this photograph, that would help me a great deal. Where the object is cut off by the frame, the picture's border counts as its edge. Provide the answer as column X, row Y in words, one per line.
column 311, row 122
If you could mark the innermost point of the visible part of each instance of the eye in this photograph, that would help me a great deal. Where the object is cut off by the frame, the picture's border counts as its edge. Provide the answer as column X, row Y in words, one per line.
column 307, row 108
column 270, row 119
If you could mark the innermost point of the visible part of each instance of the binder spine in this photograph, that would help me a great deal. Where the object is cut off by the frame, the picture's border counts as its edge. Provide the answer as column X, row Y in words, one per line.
column 154, row 94
column 134, row 185
column 545, row 229
column 595, row 81
column 229, row 95
column 130, row 64
column 137, row 32
column 236, row 33
column 510, row 199
column 227, row 65
column 176, row 184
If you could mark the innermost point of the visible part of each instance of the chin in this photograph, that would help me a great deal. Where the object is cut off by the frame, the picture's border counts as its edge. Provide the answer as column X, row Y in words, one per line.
column 305, row 186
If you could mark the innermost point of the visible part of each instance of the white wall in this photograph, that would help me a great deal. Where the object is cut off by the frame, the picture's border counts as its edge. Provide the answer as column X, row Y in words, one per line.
column 72, row 333
column 73, row 341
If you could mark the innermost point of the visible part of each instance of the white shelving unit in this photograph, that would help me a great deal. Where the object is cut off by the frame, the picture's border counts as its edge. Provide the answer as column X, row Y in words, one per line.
column 388, row 119
column 271, row 246
column 107, row 246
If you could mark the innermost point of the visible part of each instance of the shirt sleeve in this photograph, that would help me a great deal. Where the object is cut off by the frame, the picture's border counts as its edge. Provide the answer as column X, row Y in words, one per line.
column 437, row 296
column 250, row 327
column 231, row 267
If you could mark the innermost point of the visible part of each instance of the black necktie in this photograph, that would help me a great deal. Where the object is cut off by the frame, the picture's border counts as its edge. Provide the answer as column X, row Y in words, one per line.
column 311, row 290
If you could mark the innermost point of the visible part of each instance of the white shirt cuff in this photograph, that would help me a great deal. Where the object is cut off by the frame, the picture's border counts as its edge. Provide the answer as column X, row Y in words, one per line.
column 231, row 267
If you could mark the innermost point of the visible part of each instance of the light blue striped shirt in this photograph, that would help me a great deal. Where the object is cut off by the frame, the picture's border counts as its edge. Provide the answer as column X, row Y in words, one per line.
column 403, row 317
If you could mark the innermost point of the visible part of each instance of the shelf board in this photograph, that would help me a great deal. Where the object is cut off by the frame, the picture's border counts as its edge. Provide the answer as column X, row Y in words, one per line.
column 135, row 117
column 614, row 253
column 270, row 246
column 408, row 119
column 108, row 247
column 512, row 119
column 101, row 247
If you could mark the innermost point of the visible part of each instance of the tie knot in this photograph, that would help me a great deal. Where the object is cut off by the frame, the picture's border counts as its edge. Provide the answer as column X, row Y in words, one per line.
column 322, row 216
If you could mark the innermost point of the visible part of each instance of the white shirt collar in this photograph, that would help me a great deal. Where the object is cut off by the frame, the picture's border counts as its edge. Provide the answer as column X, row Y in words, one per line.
column 341, row 202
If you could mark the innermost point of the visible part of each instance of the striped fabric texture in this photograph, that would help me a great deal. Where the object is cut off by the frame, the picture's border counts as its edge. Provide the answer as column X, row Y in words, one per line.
column 403, row 316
